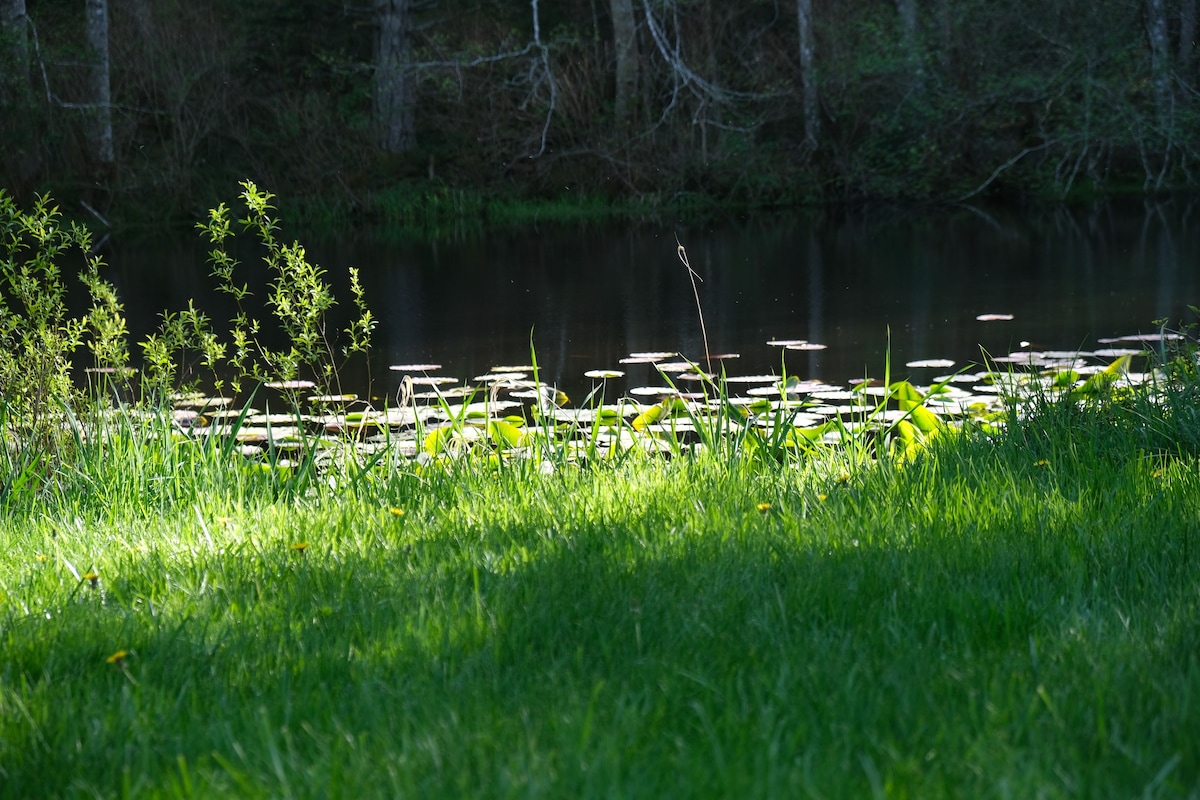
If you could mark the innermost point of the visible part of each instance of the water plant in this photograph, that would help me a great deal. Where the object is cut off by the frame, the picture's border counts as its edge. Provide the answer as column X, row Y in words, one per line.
column 298, row 297
column 889, row 588
column 1007, row 606
column 39, row 335
column 46, row 410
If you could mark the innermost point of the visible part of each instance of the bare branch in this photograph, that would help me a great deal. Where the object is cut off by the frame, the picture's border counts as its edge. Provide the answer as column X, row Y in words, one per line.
column 674, row 58
column 1003, row 167
column 475, row 62
column 549, row 76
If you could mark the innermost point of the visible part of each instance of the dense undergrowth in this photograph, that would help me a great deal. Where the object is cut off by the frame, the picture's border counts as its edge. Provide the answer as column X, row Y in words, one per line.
column 512, row 108
column 990, row 604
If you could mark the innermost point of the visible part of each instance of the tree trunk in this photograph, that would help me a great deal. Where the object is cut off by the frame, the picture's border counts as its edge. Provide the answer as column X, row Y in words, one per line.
column 1159, row 54
column 910, row 36
column 14, row 35
column 711, row 45
column 395, row 98
column 946, row 36
column 625, row 41
column 20, row 131
column 1187, row 35
column 96, row 34
column 808, row 75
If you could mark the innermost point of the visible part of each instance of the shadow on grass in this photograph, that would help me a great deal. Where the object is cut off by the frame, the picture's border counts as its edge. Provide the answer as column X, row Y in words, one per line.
column 645, row 655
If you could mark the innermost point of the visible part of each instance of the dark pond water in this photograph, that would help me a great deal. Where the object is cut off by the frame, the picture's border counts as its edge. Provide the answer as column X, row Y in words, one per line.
column 590, row 296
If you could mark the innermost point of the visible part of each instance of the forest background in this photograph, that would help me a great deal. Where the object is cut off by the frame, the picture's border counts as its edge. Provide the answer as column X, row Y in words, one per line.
column 152, row 110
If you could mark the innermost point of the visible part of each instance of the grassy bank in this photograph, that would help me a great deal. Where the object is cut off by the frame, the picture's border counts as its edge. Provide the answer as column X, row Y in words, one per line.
column 479, row 592
column 436, row 210
column 1005, row 617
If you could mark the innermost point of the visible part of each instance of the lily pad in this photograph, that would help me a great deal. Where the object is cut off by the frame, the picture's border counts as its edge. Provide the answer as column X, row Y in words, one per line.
column 271, row 419
column 204, row 402
column 1065, row 354
column 1028, row 357
column 608, row 414
column 186, row 417
column 651, row 391
column 415, row 367
column 332, row 399
column 482, row 409
column 495, row 377
column 793, row 387
column 962, row 377
column 430, row 381
column 224, row 416
column 454, row 391
column 1143, row 337
column 289, row 386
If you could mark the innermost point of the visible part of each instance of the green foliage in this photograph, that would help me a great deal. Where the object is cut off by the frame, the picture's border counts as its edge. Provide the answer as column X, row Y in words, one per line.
column 38, row 333
column 40, row 398
column 1003, row 610
column 724, row 604
column 298, row 297
column 164, row 351
column 284, row 90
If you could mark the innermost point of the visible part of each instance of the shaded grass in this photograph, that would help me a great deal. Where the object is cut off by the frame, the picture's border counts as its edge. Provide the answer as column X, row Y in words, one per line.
column 435, row 210
column 991, row 620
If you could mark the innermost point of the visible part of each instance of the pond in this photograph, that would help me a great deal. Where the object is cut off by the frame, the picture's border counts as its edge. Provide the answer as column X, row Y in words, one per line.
column 852, row 281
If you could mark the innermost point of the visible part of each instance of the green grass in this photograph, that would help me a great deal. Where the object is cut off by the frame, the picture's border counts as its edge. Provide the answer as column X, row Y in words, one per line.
column 436, row 210
column 1015, row 617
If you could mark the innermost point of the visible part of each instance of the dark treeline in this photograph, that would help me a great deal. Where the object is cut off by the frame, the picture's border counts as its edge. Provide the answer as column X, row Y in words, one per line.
column 157, row 107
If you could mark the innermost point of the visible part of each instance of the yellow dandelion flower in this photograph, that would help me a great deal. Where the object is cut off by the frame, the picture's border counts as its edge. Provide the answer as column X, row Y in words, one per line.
column 117, row 657
column 396, row 512
column 842, row 478
column 764, row 507
column 300, row 547
column 93, row 579
column 822, row 497
column 1042, row 463
column 41, row 558
column 224, row 521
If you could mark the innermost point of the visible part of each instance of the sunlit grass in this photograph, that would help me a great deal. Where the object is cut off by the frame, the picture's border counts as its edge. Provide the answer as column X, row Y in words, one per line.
column 1012, row 615
column 799, row 590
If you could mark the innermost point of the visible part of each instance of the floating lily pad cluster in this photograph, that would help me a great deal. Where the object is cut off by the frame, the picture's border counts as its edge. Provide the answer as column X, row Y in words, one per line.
column 509, row 413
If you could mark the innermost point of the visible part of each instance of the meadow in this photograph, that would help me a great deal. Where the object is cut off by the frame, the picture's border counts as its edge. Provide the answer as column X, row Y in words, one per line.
column 1002, row 615
column 702, row 596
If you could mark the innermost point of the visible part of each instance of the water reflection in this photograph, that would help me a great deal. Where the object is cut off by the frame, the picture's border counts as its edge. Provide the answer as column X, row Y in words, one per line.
column 591, row 296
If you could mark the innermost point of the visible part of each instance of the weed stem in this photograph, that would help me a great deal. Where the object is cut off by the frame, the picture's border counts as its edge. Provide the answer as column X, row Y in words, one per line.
column 693, row 277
